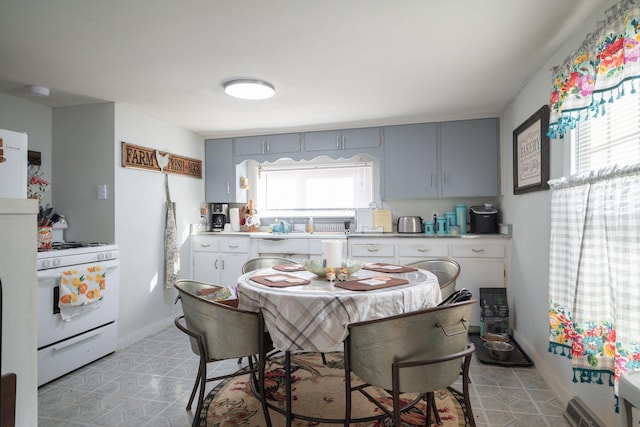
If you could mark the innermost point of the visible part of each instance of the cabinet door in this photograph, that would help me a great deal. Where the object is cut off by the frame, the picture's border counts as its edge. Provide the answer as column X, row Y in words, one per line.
column 220, row 183
column 249, row 145
column 410, row 161
column 360, row 138
column 284, row 143
column 231, row 268
column 470, row 158
column 322, row 141
column 206, row 267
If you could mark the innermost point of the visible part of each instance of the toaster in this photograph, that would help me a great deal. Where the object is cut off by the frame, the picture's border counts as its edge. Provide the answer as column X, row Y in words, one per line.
column 409, row 224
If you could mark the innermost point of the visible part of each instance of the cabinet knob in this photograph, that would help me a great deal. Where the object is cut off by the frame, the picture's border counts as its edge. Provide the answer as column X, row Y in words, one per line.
column 205, row 245
column 215, row 265
column 423, row 250
column 478, row 251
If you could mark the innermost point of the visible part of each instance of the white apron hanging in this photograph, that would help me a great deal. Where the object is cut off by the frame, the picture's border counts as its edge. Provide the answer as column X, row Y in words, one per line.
column 171, row 247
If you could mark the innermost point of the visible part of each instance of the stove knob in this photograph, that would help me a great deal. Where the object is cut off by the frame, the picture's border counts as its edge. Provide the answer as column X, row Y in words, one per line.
column 46, row 263
column 56, row 262
column 107, row 255
column 100, row 256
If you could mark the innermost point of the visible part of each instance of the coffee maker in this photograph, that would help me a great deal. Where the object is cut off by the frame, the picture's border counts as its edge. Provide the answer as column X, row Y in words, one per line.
column 219, row 213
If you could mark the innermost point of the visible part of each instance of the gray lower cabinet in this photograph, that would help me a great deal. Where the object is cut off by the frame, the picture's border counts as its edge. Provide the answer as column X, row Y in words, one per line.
column 410, row 162
column 449, row 159
column 346, row 139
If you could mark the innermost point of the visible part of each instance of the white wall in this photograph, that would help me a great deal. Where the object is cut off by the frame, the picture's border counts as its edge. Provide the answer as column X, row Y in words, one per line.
column 83, row 159
column 145, row 306
column 20, row 115
column 530, row 216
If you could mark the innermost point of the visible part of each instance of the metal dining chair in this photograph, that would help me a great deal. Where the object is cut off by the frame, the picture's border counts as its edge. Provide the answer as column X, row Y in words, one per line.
column 218, row 332
column 264, row 262
column 446, row 270
column 418, row 352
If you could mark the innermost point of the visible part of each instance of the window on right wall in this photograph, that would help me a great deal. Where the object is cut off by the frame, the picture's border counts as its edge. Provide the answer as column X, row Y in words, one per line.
column 612, row 138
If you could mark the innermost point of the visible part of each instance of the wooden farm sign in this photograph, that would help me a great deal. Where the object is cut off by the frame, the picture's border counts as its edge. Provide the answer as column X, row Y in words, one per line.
column 134, row 156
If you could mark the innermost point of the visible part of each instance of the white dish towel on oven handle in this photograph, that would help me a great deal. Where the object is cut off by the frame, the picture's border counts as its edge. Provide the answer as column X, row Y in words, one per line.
column 171, row 247
column 81, row 290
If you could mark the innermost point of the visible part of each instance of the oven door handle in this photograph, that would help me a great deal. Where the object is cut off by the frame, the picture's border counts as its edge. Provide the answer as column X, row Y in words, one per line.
column 76, row 340
column 55, row 273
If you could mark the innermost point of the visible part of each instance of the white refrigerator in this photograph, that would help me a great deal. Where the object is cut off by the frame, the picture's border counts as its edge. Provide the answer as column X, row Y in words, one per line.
column 13, row 165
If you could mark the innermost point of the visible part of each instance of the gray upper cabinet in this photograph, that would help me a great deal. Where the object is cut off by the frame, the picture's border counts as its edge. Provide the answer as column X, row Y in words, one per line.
column 469, row 155
column 219, row 171
column 449, row 159
column 410, row 162
column 267, row 146
column 347, row 139
column 222, row 174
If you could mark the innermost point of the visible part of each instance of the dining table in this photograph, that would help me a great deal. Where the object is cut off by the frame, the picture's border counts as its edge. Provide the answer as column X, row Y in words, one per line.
column 306, row 312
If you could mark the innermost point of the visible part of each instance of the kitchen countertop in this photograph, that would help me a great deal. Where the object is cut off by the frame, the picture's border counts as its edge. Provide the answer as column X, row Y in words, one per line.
column 330, row 235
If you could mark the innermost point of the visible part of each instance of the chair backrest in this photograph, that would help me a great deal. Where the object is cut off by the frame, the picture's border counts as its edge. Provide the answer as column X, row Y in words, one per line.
column 264, row 262
column 227, row 332
column 416, row 336
column 446, row 270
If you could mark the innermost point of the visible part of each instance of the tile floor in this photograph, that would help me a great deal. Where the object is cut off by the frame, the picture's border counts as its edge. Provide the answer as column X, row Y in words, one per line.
column 148, row 384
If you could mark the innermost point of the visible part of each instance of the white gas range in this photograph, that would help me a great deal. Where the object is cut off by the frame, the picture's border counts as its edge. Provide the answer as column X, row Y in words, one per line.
column 69, row 341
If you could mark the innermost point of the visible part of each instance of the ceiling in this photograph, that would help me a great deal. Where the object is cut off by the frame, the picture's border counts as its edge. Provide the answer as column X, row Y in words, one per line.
column 334, row 63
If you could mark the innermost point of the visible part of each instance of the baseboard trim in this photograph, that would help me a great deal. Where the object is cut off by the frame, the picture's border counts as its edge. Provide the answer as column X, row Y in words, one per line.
column 145, row 332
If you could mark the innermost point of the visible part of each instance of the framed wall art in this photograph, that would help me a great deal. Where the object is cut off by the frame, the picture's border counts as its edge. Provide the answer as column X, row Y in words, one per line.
column 531, row 153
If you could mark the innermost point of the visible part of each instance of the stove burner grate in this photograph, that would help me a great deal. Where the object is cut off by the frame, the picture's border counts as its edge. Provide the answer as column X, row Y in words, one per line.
column 56, row 246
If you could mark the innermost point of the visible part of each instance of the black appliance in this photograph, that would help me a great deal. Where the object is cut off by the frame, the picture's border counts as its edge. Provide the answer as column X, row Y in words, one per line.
column 484, row 219
column 218, row 220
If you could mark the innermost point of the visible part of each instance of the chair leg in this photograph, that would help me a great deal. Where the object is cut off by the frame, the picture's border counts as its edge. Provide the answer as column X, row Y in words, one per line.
column 465, row 391
column 324, row 359
column 434, row 408
column 195, row 388
column 202, row 371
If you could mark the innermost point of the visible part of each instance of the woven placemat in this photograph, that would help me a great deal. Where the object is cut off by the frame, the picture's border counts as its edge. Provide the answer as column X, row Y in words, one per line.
column 388, row 268
column 279, row 280
column 518, row 356
column 363, row 285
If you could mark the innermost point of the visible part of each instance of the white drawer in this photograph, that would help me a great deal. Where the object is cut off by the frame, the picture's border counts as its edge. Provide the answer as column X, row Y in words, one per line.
column 276, row 245
column 371, row 249
column 205, row 243
column 422, row 250
column 234, row 244
column 471, row 250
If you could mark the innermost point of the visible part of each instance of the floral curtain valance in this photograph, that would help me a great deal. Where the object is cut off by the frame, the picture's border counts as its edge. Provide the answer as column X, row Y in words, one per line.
column 602, row 70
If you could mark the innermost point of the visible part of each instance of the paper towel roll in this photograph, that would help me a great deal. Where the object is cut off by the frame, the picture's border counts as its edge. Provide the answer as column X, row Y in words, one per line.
column 332, row 252
column 234, row 219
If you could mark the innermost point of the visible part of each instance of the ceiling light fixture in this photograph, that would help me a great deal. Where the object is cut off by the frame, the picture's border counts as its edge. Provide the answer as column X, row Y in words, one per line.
column 38, row 90
column 249, row 89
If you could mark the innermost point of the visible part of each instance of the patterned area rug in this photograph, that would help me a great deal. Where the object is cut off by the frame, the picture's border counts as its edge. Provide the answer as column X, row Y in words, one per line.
column 318, row 391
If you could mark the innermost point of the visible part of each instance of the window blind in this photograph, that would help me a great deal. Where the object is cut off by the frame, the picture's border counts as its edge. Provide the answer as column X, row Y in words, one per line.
column 612, row 138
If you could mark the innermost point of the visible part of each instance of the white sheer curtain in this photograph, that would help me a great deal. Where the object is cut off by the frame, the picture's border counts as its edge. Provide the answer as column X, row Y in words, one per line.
column 594, row 276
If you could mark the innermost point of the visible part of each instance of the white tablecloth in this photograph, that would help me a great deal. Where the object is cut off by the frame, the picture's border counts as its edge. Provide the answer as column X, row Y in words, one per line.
column 314, row 317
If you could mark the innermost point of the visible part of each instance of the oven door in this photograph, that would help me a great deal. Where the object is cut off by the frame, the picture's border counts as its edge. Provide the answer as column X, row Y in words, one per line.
column 51, row 327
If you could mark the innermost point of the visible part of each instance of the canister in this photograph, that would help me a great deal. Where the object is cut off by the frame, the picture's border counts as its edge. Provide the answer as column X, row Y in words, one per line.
column 429, row 227
column 451, row 219
column 461, row 217
column 441, row 225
